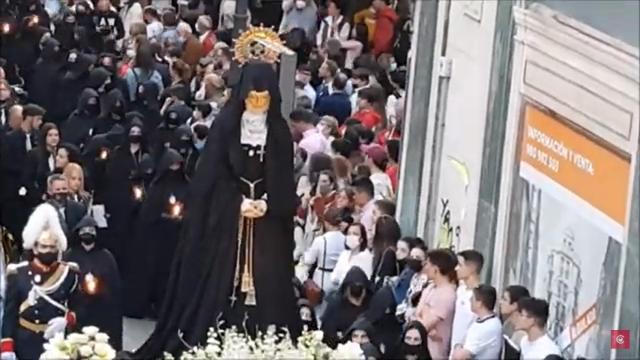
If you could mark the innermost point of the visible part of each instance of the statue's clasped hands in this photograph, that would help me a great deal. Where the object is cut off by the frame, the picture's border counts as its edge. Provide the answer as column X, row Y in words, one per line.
column 253, row 209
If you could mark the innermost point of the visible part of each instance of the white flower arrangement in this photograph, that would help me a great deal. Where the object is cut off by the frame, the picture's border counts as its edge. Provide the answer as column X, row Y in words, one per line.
column 232, row 344
column 91, row 344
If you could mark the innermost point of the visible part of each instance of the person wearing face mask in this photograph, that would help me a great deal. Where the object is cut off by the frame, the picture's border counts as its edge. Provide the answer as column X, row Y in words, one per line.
column 78, row 128
column 113, row 112
column 124, row 192
column 41, row 293
column 411, row 281
column 70, row 211
column 413, row 345
column 355, row 253
column 166, row 134
column 307, row 315
column 148, row 260
column 100, row 300
column 346, row 305
column 302, row 15
column 200, row 133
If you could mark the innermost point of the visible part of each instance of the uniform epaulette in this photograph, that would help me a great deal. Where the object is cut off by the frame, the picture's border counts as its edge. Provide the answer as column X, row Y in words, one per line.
column 72, row 265
column 13, row 268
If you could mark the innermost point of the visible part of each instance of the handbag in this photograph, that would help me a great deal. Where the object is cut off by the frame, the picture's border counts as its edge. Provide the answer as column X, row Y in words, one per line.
column 313, row 292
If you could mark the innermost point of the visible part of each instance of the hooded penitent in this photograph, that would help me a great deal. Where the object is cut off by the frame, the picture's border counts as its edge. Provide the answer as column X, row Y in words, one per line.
column 45, row 217
column 79, row 126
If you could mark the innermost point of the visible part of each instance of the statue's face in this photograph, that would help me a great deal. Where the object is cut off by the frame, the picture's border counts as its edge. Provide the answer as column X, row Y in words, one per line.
column 257, row 101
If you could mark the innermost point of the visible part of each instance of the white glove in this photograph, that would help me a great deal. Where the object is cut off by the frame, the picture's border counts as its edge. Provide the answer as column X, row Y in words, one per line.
column 8, row 356
column 56, row 325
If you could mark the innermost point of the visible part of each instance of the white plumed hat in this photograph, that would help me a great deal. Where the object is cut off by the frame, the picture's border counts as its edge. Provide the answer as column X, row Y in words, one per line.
column 45, row 217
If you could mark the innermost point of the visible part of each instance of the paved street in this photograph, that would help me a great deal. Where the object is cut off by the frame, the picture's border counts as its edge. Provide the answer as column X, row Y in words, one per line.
column 136, row 332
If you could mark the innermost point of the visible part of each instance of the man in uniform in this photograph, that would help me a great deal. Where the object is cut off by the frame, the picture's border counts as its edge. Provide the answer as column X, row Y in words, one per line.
column 39, row 292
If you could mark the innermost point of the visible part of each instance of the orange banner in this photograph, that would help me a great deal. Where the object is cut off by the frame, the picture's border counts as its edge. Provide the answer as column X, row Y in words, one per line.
column 589, row 170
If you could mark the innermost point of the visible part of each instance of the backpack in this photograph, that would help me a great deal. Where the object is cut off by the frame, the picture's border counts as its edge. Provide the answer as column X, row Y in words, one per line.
column 402, row 43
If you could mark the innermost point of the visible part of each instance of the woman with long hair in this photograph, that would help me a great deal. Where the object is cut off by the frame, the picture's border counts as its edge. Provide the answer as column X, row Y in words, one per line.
column 75, row 176
column 41, row 163
column 143, row 70
column 386, row 235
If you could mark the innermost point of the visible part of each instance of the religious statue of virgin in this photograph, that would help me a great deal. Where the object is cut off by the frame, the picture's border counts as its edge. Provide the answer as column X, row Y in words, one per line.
column 233, row 264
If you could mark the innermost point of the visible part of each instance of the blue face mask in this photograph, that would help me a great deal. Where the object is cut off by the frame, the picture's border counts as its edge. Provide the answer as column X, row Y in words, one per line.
column 199, row 145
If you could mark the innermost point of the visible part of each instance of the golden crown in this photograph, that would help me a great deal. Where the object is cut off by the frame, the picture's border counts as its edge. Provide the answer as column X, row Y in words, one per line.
column 258, row 43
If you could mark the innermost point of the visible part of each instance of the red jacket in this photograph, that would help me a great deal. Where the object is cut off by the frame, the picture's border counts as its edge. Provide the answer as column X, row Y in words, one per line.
column 385, row 29
column 369, row 118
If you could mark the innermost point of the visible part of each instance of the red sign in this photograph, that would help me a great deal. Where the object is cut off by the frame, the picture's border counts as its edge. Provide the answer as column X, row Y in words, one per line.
column 620, row 339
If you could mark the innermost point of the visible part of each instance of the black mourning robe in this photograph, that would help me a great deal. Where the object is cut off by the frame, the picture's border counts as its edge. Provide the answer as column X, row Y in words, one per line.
column 121, row 204
column 113, row 112
column 46, row 77
column 340, row 313
column 149, row 257
column 78, row 128
column 104, row 307
column 202, row 275
column 72, row 83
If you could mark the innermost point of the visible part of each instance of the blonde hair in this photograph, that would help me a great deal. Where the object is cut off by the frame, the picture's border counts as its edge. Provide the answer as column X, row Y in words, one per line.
column 73, row 168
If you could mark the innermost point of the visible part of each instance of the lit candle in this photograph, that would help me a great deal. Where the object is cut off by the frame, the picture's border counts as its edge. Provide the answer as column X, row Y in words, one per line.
column 6, row 28
column 137, row 192
column 35, row 20
column 90, row 283
column 175, row 207
column 104, row 154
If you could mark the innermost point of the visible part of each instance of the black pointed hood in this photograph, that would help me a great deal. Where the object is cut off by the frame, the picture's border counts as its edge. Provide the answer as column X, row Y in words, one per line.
column 50, row 50
column 78, row 64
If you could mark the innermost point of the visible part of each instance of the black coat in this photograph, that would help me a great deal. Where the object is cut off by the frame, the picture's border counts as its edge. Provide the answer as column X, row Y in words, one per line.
column 202, row 275
column 102, row 308
column 37, row 169
column 15, row 208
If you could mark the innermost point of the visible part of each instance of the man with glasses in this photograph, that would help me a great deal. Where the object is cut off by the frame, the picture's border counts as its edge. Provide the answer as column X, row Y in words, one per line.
column 41, row 291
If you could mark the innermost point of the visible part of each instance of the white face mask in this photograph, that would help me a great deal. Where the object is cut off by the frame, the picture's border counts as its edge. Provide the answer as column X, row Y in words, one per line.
column 353, row 241
column 301, row 4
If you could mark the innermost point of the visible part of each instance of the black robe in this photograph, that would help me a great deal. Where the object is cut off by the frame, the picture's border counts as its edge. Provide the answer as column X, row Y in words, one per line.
column 104, row 307
column 72, row 83
column 113, row 112
column 202, row 275
column 78, row 128
column 46, row 77
column 149, row 257
column 340, row 313
column 121, row 204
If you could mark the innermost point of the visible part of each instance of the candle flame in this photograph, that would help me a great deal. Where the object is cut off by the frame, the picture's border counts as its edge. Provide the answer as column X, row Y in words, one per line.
column 137, row 192
column 6, row 28
column 176, row 210
column 172, row 200
column 103, row 154
column 90, row 283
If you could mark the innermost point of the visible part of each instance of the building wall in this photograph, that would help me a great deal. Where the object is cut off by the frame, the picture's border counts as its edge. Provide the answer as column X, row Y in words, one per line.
column 573, row 82
column 456, row 171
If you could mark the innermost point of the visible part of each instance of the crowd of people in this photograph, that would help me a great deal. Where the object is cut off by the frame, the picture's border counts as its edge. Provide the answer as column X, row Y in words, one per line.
column 105, row 109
